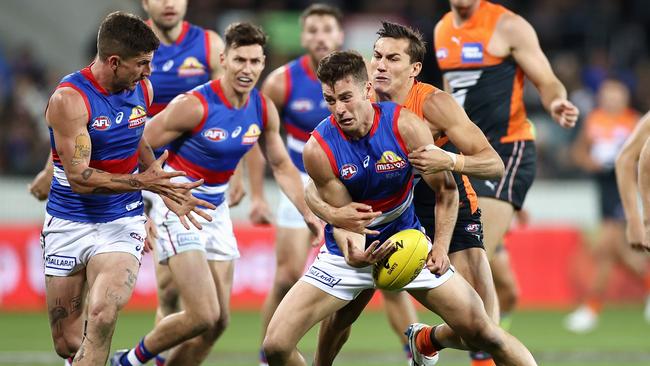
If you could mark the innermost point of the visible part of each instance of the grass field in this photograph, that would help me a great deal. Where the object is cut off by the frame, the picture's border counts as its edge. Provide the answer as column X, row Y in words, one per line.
column 623, row 339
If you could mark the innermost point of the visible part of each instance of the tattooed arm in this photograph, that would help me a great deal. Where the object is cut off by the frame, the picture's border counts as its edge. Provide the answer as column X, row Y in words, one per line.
column 68, row 116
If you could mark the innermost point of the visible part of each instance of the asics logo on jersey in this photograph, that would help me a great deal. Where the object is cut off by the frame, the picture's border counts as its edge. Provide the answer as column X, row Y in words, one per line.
column 366, row 161
column 168, row 65
column 389, row 162
column 348, row 171
column 215, row 134
column 101, row 123
column 236, row 132
column 119, row 117
column 302, row 105
column 472, row 52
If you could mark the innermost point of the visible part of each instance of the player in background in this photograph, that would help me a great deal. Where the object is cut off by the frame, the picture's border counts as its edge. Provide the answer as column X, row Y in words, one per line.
column 297, row 93
column 485, row 51
column 364, row 148
column 600, row 140
column 93, row 234
column 397, row 60
column 209, row 130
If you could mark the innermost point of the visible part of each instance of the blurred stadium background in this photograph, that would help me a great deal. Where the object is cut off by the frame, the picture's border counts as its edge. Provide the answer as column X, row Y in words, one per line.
column 586, row 41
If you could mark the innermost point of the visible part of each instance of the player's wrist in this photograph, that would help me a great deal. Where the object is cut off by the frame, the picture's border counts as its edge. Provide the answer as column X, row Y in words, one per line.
column 457, row 162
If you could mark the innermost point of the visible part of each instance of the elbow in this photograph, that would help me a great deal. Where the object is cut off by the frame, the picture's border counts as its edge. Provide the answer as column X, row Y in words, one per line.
column 499, row 168
column 77, row 185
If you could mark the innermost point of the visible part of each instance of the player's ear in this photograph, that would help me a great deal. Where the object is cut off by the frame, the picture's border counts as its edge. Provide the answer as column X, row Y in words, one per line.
column 368, row 89
column 416, row 68
column 113, row 62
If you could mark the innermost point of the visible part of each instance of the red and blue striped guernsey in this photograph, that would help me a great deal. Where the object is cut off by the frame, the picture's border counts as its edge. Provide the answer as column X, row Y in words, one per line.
column 304, row 106
column 212, row 150
column 115, row 124
column 180, row 66
column 374, row 169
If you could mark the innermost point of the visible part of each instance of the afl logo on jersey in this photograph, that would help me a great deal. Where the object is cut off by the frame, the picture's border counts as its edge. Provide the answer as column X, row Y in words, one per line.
column 101, row 123
column 138, row 117
column 191, row 67
column 302, row 105
column 389, row 162
column 251, row 136
column 215, row 134
column 472, row 52
column 442, row 53
column 348, row 171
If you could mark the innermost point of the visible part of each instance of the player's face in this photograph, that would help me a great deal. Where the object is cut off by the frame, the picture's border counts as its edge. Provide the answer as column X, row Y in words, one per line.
column 165, row 14
column 390, row 66
column 321, row 35
column 127, row 73
column 243, row 66
column 346, row 100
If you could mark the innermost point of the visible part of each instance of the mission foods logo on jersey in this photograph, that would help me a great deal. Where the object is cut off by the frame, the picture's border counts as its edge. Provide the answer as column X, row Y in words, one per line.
column 215, row 134
column 191, row 67
column 348, row 171
column 138, row 117
column 251, row 136
column 101, row 123
column 389, row 162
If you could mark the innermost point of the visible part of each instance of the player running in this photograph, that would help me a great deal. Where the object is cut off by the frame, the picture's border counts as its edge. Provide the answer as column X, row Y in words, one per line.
column 209, row 130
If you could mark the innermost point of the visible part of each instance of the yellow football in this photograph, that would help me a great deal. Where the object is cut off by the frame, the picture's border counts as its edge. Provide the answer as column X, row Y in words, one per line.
column 405, row 263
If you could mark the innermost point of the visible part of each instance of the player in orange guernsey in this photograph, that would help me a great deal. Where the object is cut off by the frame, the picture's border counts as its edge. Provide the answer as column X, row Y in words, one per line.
column 603, row 135
column 484, row 52
column 396, row 62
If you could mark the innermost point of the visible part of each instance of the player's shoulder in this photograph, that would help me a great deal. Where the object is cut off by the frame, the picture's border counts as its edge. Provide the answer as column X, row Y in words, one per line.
column 67, row 103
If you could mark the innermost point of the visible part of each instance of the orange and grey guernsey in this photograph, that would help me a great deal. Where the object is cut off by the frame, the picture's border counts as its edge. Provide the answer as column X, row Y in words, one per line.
column 467, row 197
column 489, row 88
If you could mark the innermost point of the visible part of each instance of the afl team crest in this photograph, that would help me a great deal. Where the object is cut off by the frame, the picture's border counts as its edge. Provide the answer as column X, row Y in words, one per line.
column 191, row 66
column 389, row 162
column 138, row 117
column 252, row 134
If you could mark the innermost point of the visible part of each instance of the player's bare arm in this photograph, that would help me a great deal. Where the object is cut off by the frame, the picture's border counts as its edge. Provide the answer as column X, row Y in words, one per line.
column 40, row 186
column 415, row 134
column 216, row 49
column 478, row 158
column 354, row 216
column 626, row 179
column 520, row 40
column 644, row 185
column 182, row 114
column 334, row 194
column 285, row 173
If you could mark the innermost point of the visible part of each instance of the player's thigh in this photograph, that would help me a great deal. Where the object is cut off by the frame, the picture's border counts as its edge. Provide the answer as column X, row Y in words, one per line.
column 193, row 278
column 302, row 307
column 292, row 247
column 65, row 301
column 111, row 279
column 473, row 265
column 496, row 216
column 456, row 302
column 398, row 305
column 345, row 316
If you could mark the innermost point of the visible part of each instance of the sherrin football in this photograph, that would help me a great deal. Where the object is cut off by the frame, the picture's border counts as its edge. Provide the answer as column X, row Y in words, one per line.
column 405, row 263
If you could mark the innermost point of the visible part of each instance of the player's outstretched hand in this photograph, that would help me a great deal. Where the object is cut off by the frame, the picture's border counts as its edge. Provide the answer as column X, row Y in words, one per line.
column 236, row 192
column 152, row 235
column 355, row 217
column 156, row 180
column 374, row 253
column 189, row 205
column 564, row 113
column 260, row 213
column 40, row 186
column 438, row 260
column 430, row 159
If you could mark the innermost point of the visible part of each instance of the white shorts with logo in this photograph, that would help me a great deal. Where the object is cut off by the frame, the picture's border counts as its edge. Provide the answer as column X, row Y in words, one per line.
column 333, row 275
column 288, row 215
column 216, row 238
column 69, row 245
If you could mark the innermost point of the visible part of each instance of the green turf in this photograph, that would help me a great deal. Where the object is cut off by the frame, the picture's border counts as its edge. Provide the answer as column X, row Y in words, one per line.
column 622, row 339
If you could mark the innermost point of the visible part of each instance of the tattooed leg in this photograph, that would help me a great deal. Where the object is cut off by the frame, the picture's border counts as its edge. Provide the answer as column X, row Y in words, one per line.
column 65, row 309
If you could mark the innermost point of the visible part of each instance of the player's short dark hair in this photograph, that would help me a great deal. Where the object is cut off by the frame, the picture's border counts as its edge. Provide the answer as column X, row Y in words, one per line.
column 416, row 48
column 340, row 64
column 322, row 9
column 125, row 35
column 244, row 34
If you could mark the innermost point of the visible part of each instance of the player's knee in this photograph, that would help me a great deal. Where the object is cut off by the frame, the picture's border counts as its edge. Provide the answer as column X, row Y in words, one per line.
column 487, row 337
column 275, row 349
column 509, row 298
column 204, row 320
column 103, row 316
column 286, row 277
column 66, row 346
column 168, row 298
